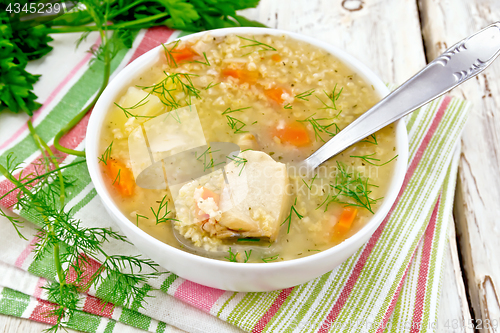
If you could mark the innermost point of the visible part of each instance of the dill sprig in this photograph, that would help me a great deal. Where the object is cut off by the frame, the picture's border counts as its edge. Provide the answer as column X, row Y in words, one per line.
column 207, row 63
column 171, row 85
column 107, row 154
column 208, row 160
column 289, row 217
column 352, row 187
column 319, row 126
column 229, row 110
column 248, row 240
column 236, row 124
column 374, row 142
column 333, row 97
column 326, row 199
column 263, row 46
column 247, row 255
column 232, row 256
column 137, row 216
column 211, row 85
column 288, row 107
column 162, row 212
column 370, row 160
column 238, row 160
column 128, row 114
column 309, row 186
column 268, row 259
column 303, row 96
column 41, row 195
column 169, row 53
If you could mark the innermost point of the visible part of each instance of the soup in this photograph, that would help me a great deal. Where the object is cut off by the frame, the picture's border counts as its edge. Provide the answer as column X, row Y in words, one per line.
column 201, row 150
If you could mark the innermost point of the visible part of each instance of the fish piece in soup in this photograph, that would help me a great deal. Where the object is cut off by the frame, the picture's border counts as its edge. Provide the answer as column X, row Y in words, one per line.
column 246, row 199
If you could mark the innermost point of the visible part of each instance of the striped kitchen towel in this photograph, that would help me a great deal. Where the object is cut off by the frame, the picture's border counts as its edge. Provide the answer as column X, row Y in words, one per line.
column 390, row 284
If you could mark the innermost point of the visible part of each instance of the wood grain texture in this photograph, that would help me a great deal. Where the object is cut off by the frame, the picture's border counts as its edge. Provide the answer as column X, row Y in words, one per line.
column 477, row 205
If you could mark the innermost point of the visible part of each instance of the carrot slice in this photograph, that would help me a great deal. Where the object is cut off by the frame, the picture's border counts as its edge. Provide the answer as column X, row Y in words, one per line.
column 294, row 133
column 276, row 57
column 276, row 94
column 183, row 54
column 345, row 222
column 244, row 75
column 121, row 176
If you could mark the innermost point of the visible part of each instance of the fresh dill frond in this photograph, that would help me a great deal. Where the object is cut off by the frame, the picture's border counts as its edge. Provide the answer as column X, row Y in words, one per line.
column 129, row 114
column 333, row 97
column 288, row 107
column 211, row 85
column 309, row 186
column 370, row 160
column 168, row 88
column 229, row 110
column 263, row 46
column 289, row 217
column 118, row 177
column 238, row 160
column 162, row 212
column 207, row 63
column 16, row 223
column 303, row 96
column 137, row 216
column 208, row 160
column 319, row 126
column 247, row 255
column 107, row 154
column 232, row 256
column 268, row 259
column 236, row 125
column 372, row 142
column 326, row 199
column 169, row 53
column 352, row 187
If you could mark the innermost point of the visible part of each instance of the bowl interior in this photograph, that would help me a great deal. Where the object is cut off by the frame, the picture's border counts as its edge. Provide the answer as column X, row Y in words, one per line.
column 160, row 251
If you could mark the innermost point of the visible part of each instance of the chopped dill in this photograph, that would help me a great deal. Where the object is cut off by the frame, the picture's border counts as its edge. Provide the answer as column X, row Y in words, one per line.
column 118, row 177
column 289, row 217
column 238, row 160
column 161, row 213
column 141, row 216
column 236, row 125
column 247, row 255
column 372, row 142
column 129, row 114
column 369, row 159
column 312, row 181
column 211, row 85
column 169, row 53
column 264, row 47
column 208, row 160
column 288, row 106
column 207, row 63
column 303, row 96
column 106, row 155
column 327, row 197
column 354, row 187
column 268, row 259
column 232, row 256
column 333, row 97
column 170, row 86
column 314, row 250
column 330, row 128
column 228, row 110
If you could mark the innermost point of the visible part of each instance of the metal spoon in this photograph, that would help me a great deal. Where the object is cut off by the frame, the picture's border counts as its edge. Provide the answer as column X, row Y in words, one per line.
column 459, row 63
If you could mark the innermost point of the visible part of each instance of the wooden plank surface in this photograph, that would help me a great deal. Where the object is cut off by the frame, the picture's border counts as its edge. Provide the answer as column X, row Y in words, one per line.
column 477, row 206
column 384, row 35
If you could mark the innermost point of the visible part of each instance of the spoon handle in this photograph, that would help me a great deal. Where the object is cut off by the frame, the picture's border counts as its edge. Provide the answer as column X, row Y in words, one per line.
column 459, row 63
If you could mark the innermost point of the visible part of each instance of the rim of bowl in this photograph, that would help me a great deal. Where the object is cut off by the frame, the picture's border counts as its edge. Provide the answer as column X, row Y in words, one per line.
column 130, row 72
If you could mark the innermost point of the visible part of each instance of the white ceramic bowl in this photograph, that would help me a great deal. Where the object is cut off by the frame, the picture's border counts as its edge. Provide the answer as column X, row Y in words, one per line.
column 229, row 275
